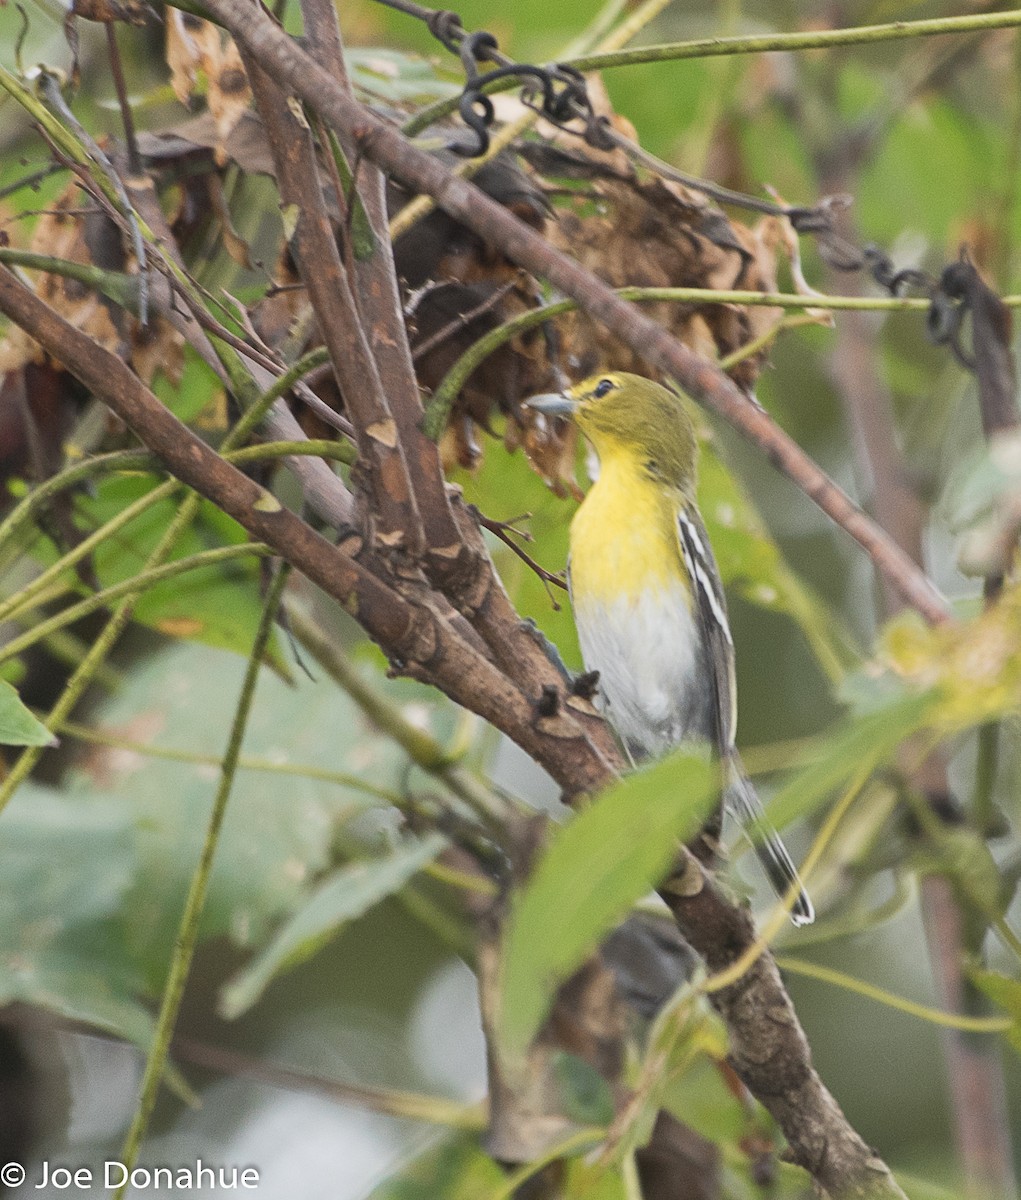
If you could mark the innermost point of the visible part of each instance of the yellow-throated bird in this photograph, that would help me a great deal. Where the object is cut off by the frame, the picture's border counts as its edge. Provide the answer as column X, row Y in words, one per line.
column 648, row 603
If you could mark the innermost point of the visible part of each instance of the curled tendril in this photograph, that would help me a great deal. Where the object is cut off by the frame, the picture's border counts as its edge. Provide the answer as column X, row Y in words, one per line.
column 897, row 283
column 951, row 302
column 476, row 47
column 563, row 96
column 445, row 26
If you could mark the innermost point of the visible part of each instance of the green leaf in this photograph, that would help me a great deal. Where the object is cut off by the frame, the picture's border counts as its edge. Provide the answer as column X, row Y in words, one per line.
column 281, row 830
column 596, row 867
column 193, row 398
column 1004, row 992
column 585, row 1096
column 455, row 1169
column 66, row 869
column 218, row 606
column 397, row 76
column 871, row 737
column 18, row 727
column 94, row 878
column 340, row 898
column 587, row 1180
column 750, row 560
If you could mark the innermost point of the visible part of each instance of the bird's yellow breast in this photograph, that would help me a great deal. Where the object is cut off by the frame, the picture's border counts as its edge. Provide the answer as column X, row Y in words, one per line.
column 623, row 537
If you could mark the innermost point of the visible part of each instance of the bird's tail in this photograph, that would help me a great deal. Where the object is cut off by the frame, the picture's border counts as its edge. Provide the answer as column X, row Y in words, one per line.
column 741, row 799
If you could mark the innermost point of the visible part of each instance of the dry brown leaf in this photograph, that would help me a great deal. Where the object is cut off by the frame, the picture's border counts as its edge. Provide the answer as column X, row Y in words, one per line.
column 158, row 347
column 63, row 233
column 655, row 234
column 228, row 97
column 192, row 45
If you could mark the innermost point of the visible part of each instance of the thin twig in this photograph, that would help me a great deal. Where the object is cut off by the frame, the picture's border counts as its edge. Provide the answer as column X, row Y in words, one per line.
column 117, row 71
column 461, row 322
column 503, row 530
column 50, row 88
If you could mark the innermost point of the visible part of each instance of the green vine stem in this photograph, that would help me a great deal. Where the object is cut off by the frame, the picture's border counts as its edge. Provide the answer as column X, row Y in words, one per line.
column 255, row 414
column 70, row 650
column 923, row 1012
column 819, row 39
column 245, row 763
column 58, row 133
column 26, row 508
column 438, row 409
column 822, row 39
column 143, row 461
column 133, row 587
column 39, row 590
column 96, row 656
column 30, row 594
column 187, row 934
column 115, row 285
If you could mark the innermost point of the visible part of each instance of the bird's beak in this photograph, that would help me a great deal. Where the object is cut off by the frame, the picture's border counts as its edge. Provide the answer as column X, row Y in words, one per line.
column 552, row 404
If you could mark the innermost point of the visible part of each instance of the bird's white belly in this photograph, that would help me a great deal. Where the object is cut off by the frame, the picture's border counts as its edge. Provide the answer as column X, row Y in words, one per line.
column 646, row 649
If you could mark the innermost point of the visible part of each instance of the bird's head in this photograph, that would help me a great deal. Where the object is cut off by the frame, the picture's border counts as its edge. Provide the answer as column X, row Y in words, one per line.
column 620, row 412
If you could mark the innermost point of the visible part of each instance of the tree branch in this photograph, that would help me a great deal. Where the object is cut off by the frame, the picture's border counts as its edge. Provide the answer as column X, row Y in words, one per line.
column 315, row 250
column 378, row 297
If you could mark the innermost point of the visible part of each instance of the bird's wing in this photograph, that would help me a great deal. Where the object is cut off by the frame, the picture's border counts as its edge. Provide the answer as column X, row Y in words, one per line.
column 710, row 608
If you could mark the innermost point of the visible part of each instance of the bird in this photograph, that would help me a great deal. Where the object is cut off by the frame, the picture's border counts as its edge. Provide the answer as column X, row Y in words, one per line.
column 648, row 603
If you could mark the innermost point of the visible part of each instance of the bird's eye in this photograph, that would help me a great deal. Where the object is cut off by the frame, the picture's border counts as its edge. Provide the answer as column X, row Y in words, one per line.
column 602, row 387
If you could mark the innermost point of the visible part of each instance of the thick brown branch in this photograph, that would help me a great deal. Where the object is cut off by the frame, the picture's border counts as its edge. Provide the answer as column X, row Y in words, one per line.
column 770, row 1053
column 387, row 147
column 318, row 260
column 455, row 557
column 379, row 302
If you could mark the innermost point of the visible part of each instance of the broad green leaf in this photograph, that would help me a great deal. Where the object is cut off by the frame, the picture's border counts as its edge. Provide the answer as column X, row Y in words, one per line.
column 196, row 396
column 962, row 856
column 66, row 871
column 340, row 898
column 281, row 831
column 595, row 868
column 95, row 877
column 455, row 1169
column 686, row 1033
column 585, row 1096
column 18, row 727
column 1006, row 994
column 586, row 1180
column 219, row 605
column 750, row 560
column 397, row 76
